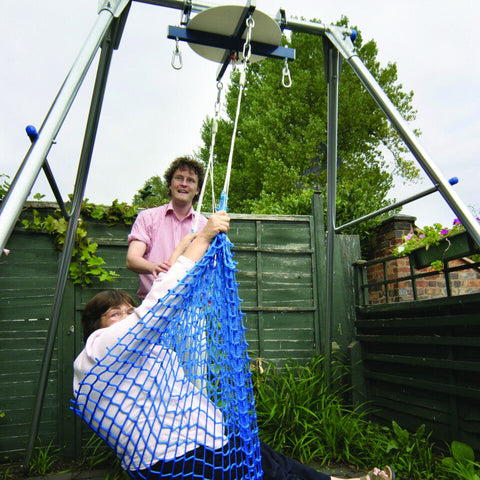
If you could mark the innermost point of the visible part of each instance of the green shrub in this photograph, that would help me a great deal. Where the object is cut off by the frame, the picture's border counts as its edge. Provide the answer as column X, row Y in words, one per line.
column 301, row 416
column 461, row 463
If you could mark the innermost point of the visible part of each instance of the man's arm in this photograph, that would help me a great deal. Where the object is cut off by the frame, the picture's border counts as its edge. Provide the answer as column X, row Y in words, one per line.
column 136, row 263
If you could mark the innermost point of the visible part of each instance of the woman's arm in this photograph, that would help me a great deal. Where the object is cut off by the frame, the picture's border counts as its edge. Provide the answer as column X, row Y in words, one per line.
column 218, row 223
column 104, row 339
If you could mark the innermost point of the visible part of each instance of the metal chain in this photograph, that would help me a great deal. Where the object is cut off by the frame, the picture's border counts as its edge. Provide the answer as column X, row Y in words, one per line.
column 247, row 46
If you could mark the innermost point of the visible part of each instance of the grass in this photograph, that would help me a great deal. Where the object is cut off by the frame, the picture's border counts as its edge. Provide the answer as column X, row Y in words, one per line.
column 303, row 418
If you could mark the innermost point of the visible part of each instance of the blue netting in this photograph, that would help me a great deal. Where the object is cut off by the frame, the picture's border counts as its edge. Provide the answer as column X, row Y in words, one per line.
column 174, row 397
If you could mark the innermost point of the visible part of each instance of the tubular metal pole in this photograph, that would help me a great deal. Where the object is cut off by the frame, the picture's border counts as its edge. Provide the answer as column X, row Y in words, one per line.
column 386, row 209
column 333, row 76
column 33, row 162
column 179, row 4
column 345, row 46
column 80, row 183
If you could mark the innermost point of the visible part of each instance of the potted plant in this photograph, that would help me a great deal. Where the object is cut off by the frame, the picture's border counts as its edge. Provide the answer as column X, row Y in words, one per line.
column 434, row 245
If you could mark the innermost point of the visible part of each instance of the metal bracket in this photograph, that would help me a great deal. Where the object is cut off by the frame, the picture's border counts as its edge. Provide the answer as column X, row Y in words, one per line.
column 230, row 44
column 115, row 7
column 281, row 19
column 342, row 39
column 327, row 45
column 187, row 10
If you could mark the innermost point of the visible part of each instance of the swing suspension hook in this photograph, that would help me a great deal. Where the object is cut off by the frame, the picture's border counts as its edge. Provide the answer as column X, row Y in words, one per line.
column 177, row 62
column 286, row 77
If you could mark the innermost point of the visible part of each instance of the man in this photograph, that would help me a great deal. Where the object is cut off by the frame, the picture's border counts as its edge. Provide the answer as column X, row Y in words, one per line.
column 157, row 231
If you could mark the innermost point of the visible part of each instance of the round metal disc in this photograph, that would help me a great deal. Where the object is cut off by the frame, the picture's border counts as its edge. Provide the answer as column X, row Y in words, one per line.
column 223, row 20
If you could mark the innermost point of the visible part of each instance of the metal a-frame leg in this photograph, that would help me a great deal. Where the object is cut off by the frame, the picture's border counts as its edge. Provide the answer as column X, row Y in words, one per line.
column 109, row 44
column 332, row 62
column 345, row 47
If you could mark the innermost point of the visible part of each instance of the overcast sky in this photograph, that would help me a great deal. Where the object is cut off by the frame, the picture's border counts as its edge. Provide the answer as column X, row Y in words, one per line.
column 153, row 113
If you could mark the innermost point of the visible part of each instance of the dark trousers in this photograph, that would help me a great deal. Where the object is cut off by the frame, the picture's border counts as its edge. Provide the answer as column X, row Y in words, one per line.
column 203, row 463
column 279, row 467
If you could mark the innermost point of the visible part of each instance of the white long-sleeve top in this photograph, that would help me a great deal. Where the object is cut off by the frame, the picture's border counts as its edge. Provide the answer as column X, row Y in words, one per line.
column 134, row 392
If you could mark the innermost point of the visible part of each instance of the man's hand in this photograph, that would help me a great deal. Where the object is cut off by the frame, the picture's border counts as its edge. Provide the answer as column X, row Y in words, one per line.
column 138, row 264
column 158, row 268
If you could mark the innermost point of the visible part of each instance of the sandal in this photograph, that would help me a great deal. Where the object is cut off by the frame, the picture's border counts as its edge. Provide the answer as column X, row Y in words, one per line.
column 386, row 474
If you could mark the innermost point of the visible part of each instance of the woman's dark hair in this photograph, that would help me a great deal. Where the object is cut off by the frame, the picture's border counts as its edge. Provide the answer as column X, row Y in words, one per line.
column 185, row 162
column 98, row 305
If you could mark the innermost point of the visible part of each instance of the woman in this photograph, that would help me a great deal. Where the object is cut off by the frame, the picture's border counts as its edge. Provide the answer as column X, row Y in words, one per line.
column 157, row 421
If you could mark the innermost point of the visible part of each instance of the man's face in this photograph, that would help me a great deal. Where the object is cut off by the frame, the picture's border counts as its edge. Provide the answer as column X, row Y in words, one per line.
column 184, row 186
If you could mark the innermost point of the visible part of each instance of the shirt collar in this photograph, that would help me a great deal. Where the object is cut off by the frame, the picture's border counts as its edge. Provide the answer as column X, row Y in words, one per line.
column 171, row 211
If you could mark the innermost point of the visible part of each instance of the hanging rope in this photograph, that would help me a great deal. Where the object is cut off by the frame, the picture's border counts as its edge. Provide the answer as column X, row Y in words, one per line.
column 209, row 170
column 247, row 51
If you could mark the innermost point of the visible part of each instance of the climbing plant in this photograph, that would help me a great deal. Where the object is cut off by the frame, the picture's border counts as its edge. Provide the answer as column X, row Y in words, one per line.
column 85, row 265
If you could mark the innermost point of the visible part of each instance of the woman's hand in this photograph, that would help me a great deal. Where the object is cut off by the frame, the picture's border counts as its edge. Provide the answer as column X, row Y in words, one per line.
column 219, row 222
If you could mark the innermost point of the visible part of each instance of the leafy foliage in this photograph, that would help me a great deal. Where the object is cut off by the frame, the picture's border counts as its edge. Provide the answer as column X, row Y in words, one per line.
column 96, row 454
column 280, row 150
column 154, row 193
column 429, row 236
column 44, row 459
column 85, row 265
column 116, row 213
column 298, row 415
column 462, row 463
column 412, row 452
column 4, row 185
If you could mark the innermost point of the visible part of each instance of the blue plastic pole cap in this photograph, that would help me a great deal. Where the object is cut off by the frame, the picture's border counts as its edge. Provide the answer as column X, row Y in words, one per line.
column 453, row 181
column 32, row 133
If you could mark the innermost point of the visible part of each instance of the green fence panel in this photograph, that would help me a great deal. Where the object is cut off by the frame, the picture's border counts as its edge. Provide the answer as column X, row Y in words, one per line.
column 421, row 365
column 27, row 285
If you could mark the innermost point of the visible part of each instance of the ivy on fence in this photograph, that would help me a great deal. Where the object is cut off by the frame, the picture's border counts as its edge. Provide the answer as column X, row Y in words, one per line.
column 85, row 265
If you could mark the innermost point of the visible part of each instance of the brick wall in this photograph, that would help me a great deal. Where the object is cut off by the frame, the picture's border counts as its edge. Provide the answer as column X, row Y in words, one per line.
column 384, row 240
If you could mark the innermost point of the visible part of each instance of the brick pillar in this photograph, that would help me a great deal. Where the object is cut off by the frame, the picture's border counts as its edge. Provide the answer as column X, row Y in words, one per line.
column 389, row 234
column 382, row 243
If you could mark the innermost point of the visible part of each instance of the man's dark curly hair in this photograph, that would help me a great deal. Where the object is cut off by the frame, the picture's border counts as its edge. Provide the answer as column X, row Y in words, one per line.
column 182, row 162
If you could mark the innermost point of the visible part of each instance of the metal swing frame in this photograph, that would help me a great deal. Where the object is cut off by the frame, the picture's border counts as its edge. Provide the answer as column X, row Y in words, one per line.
column 106, row 34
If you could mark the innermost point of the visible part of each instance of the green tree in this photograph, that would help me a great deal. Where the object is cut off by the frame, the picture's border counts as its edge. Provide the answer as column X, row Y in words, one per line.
column 153, row 193
column 280, row 149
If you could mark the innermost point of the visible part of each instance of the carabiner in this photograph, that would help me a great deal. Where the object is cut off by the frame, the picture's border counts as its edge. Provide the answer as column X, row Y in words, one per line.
column 177, row 54
column 286, row 78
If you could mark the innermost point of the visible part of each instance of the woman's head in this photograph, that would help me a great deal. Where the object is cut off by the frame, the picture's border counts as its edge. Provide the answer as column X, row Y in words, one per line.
column 105, row 309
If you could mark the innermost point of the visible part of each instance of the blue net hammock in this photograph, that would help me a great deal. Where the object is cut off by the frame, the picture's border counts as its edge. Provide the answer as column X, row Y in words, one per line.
column 188, row 355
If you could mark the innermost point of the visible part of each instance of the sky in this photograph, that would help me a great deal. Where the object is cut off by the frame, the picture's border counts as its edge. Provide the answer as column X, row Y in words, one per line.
column 153, row 113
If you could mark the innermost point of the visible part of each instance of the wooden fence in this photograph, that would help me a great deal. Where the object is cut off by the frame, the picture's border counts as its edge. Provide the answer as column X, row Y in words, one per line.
column 281, row 275
column 418, row 363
